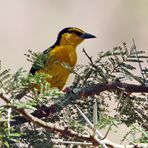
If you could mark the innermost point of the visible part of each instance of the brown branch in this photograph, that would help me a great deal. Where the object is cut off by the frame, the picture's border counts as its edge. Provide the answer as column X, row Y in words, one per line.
column 78, row 92
column 98, row 88
column 67, row 132
column 50, row 126
column 90, row 59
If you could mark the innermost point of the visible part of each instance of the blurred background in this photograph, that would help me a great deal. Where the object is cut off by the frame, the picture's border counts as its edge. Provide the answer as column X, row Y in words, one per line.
column 34, row 24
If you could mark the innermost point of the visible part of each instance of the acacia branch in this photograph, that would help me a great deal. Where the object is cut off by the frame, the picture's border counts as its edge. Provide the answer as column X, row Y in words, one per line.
column 98, row 88
column 50, row 126
column 67, row 132
column 79, row 92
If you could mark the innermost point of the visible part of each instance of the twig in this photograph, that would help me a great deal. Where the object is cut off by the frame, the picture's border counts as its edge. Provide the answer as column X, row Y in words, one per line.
column 9, row 119
column 134, row 48
column 71, row 142
column 107, row 132
column 90, row 58
column 95, row 119
column 88, row 121
column 91, row 125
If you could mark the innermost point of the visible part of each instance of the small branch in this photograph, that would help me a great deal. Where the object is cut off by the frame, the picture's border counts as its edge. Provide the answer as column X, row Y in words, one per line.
column 88, row 122
column 97, row 68
column 95, row 111
column 9, row 119
column 92, row 126
column 100, row 87
column 71, row 142
column 107, row 132
column 90, row 59
column 134, row 48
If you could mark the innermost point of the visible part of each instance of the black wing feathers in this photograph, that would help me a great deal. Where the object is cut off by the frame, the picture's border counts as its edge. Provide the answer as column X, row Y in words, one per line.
column 36, row 67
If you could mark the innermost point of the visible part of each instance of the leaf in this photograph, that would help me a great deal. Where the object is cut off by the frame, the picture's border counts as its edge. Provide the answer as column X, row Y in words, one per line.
column 132, row 60
column 137, row 52
column 140, row 57
column 128, row 66
column 128, row 73
column 7, row 144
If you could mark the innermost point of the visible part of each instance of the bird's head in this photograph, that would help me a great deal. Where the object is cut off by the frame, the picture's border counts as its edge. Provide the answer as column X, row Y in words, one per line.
column 72, row 36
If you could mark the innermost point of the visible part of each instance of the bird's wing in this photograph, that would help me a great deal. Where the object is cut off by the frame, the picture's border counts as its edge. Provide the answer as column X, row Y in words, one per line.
column 36, row 66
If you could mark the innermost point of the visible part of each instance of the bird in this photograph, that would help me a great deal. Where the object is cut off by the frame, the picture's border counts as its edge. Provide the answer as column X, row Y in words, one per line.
column 62, row 52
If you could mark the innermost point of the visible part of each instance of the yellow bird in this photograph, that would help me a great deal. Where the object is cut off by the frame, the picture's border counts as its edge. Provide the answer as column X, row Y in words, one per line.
column 62, row 52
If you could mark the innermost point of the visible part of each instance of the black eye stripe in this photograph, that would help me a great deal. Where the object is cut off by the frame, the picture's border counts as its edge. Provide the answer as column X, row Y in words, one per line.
column 76, row 32
column 66, row 30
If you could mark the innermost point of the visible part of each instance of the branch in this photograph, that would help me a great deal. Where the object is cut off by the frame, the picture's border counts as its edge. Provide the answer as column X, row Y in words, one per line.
column 90, row 59
column 51, row 127
column 98, row 88
column 67, row 132
column 79, row 92
column 140, row 66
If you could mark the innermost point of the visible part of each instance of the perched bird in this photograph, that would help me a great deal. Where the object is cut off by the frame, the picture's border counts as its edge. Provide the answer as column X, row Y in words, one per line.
column 62, row 52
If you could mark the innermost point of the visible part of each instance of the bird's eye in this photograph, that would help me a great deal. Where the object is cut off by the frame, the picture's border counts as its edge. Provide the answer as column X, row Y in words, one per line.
column 78, row 33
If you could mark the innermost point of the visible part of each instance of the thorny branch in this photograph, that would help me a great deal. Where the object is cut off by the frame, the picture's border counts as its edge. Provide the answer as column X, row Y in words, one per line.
column 90, row 59
column 85, row 92
column 65, row 131
column 50, row 126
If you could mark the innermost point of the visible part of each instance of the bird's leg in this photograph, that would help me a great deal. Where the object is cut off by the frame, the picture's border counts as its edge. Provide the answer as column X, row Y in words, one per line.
column 68, row 89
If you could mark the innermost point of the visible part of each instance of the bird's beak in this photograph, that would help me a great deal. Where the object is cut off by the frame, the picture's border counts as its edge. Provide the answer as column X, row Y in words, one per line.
column 87, row 36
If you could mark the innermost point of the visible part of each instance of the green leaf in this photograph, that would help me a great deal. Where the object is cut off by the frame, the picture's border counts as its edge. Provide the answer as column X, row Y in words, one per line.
column 7, row 144
column 132, row 60
column 128, row 66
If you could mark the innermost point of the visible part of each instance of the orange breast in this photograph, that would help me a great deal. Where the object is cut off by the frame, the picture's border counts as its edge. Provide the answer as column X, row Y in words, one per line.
column 54, row 66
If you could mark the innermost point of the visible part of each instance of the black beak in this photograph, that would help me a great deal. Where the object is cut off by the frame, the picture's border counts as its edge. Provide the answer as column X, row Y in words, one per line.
column 87, row 36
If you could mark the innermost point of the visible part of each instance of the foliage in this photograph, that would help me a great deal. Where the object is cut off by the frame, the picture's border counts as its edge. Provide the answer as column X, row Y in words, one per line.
column 119, row 64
